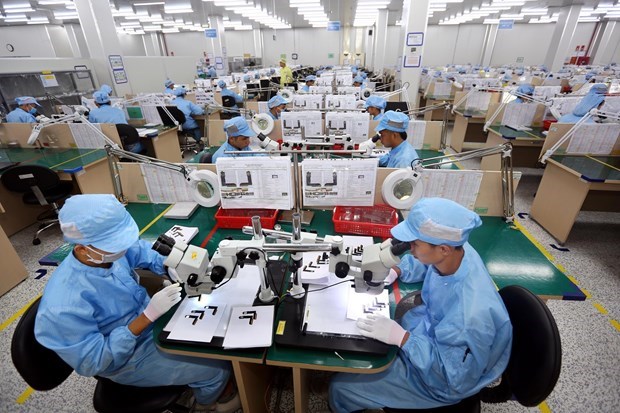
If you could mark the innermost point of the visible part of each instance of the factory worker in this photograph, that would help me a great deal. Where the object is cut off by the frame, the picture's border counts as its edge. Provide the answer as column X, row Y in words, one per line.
column 25, row 111
column 592, row 100
column 276, row 106
column 99, row 320
column 524, row 89
column 358, row 81
column 104, row 112
column 456, row 342
column 286, row 75
column 239, row 133
column 106, row 89
column 227, row 92
column 169, row 87
column 211, row 73
column 393, row 132
column 375, row 105
column 189, row 109
column 310, row 81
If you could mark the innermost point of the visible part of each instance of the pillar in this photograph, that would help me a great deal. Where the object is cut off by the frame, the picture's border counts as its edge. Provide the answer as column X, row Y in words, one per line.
column 76, row 40
column 415, row 21
column 562, row 37
column 152, row 44
column 489, row 44
column 605, row 45
column 378, row 58
column 218, row 45
column 258, row 43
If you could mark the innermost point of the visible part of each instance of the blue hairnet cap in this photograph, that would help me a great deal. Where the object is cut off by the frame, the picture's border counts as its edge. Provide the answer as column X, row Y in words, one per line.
column 101, row 97
column 525, row 89
column 375, row 102
column 106, row 89
column 277, row 100
column 179, row 92
column 98, row 220
column 256, row 75
column 238, row 126
column 310, row 78
column 598, row 89
column 168, row 83
column 246, row 78
column 272, row 70
column 221, row 84
column 394, row 121
column 24, row 100
column 358, row 79
column 363, row 75
column 437, row 221
column 588, row 102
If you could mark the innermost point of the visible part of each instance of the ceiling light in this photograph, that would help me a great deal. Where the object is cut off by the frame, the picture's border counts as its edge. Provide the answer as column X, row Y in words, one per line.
column 19, row 10
column 152, row 3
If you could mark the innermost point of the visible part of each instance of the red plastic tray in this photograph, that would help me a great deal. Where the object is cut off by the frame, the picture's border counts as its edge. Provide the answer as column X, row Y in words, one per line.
column 238, row 218
column 375, row 221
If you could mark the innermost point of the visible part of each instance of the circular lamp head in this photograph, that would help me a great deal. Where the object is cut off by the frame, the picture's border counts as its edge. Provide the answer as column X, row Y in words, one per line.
column 262, row 123
column 402, row 189
column 366, row 93
column 205, row 187
column 287, row 95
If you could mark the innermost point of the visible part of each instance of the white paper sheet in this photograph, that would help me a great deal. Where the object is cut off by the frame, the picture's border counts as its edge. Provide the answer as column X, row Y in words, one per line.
column 181, row 233
column 349, row 90
column 308, row 101
column 478, row 101
column 205, row 98
column 151, row 115
column 292, row 122
column 321, row 90
column 442, row 89
column 361, row 304
column 547, row 92
column 85, row 137
column 250, row 327
column 198, row 321
column 415, row 133
column 594, row 139
column 459, row 186
column 165, row 186
column 255, row 182
column 330, row 182
column 519, row 114
column 353, row 123
column 340, row 102
column 565, row 105
column 239, row 291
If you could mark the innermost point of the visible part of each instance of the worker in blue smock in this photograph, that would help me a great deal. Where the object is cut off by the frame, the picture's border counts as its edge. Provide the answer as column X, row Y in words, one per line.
column 104, row 112
column 99, row 320
column 189, row 109
column 375, row 105
column 276, row 106
column 211, row 73
column 310, row 81
column 169, row 84
column 358, row 81
column 524, row 89
column 455, row 342
column 106, row 89
column 230, row 93
column 238, row 132
column 592, row 100
column 25, row 111
column 393, row 132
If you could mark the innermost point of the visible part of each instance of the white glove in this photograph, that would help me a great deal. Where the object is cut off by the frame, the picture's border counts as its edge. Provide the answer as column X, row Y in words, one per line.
column 381, row 328
column 163, row 301
column 391, row 277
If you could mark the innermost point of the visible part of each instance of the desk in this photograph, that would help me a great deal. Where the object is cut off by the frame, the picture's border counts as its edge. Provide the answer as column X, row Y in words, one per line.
column 87, row 167
column 468, row 127
column 526, row 146
column 165, row 145
column 437, row 114
column 572, row 183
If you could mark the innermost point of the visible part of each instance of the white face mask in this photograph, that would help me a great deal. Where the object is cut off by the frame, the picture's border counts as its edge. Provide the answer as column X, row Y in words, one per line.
column 105, row 258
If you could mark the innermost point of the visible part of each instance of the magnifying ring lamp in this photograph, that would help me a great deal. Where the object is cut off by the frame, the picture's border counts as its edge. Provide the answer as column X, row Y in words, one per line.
column 262, row 123
column 287, row 95
column 402, row 189
column 205, row 187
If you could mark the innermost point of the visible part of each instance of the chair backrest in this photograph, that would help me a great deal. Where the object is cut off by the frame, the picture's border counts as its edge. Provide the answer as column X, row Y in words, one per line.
column 24, row 178
column 174, row 111
column 128, row 134
column 536, row 357
column 40, row 367
column 228, row 101
column 206, row 158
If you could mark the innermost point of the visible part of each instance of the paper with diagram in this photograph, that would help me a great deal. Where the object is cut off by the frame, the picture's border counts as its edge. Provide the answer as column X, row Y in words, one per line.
column 415, row 133
column 165, row 186
column 354, row 124
column 198, row 321
column 292, row 124
column 594, row 139
column 250, row 327
column 85, row 136
column 459, row 186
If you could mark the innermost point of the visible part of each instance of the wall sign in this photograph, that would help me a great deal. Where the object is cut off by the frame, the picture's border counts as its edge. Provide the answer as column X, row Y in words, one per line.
column 116, row 62
column 120, row 76
column 333, row 26
column 506, row 24
column 415, row 39
column 210, row 33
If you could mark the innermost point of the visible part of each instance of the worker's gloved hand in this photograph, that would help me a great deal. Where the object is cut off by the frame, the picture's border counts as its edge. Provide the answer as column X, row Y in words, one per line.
column 163, row 301
column 381, row 328
column 391, row 277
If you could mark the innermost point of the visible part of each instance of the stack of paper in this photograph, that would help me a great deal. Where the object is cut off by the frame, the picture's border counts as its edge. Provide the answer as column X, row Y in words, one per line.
column 181, row 233
column 250, row 327
column 181, row 210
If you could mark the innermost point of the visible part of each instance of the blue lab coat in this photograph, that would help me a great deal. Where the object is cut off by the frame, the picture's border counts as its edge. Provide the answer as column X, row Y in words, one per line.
column 379, row 116
column 460, row 341
column 399, row 157
column 274, row 117
column 19, row 115
column 228, row 147
column 169, row 91
column 83, row 317
column 107, row 114
column 188, row 108
column 237, row 97
column 306, row 88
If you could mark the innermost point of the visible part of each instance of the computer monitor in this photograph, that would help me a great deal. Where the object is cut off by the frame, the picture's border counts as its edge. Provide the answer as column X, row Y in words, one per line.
column 396, row 106
column 174, row 111
column 293, row 85
column 135, row 112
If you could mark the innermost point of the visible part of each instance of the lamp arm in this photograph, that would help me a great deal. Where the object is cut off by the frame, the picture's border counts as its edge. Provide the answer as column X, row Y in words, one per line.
column 568, row 135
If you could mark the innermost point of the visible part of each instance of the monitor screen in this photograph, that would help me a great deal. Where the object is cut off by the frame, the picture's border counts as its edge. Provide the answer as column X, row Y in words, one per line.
column 134, row 112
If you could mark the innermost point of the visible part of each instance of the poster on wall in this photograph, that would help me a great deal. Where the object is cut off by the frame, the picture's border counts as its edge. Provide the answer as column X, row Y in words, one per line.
column 120, row 76
column 116, row 62
column 210, row 33
column 49, row 80
column 415, row 39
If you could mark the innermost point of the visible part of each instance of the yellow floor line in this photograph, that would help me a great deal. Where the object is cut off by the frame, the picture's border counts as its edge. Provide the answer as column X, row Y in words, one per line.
column 544, row 407
column 24, row 396
column 538, row 245
column 600, row 308
column 615, row 324
column 73, row 159
column 150, row 224
column 18, row 314
column 586, row 292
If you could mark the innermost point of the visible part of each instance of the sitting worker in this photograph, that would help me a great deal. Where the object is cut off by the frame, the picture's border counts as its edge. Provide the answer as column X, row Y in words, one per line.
column 104, row 112
column 189, row 109
column 286, row 75
column 227, row 92
column 455, row 342
column 524, row 89
column 276, row 106
column 25, row 111
column 310, row 81
column 106, row 89
column 99, row 320
column 358, row 81
column 169, row 87
column 375, row 105
column 594, row 99
column 238, row 132
column 393, row 132
column 248, row 79
column 211, row 73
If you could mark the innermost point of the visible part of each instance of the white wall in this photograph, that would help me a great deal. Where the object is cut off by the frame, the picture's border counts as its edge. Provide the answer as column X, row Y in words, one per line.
column 239, row 42
column 188, row 44
column 468, row 46
column 530, row 41
column 148, row 73
column 440, row 45
column 392, row 50
column 615, row 41
column 28, row 41
column 311, row 45
column 60, row 41
column 131, row 45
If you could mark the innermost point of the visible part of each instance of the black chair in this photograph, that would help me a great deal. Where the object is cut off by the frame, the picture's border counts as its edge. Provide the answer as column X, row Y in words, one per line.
column 228, row 102
column 44, row 370
column 206, row 158
column 129, row 137
column 39, row 186
column 535, row 360
column 187, row 141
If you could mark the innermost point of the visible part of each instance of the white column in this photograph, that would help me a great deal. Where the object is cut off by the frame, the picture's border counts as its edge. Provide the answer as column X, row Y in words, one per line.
column 151, row 44
column 489, row 44
column 258, row 42
column 562, row 37
column 378, row 58
column 368, row 47
column 100, row 32
column 218, row 45
column 415, row 20
column 76, row 40
column 604, row 51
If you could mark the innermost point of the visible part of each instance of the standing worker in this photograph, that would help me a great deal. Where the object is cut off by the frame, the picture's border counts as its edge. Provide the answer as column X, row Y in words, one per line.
column 286, row 75
column 310, row 81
